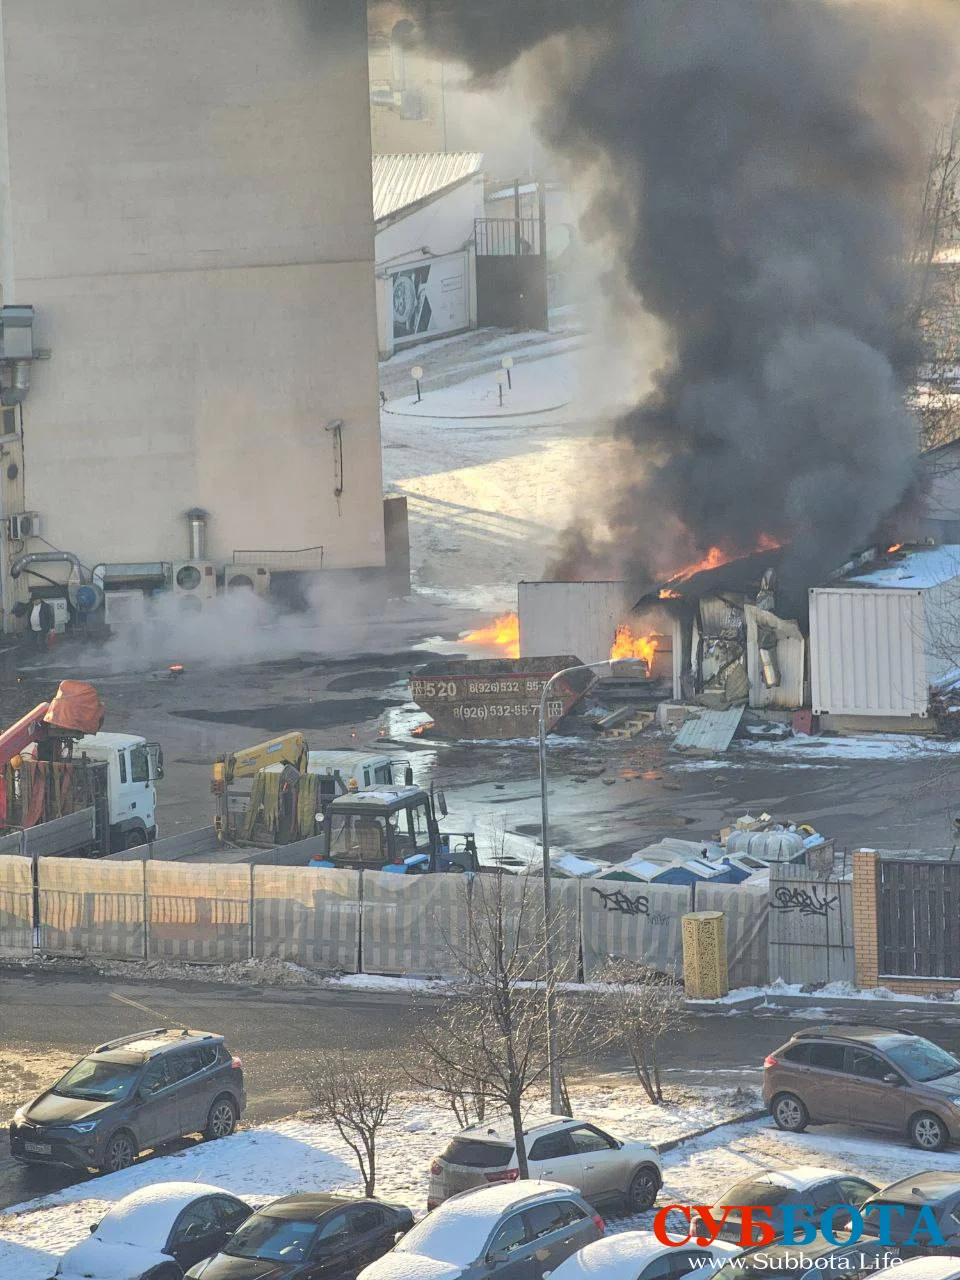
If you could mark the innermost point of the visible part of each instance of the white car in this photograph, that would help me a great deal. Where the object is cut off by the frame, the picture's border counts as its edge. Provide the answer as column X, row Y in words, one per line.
column 559, row 1148
column 156, row 1233
column 639, row 1255
column 514, row 1231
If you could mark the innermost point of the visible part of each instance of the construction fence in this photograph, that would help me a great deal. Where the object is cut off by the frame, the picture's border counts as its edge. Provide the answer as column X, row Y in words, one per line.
column 381, row 923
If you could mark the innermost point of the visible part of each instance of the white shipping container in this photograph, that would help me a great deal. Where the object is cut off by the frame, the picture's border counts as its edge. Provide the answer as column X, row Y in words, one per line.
column 571, row 617
column 874, row 651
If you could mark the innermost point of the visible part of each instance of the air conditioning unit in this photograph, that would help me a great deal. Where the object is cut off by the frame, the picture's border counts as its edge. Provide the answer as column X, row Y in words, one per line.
column 247, row 577
column 124, row 609
column 194, row 581
column 26, row 525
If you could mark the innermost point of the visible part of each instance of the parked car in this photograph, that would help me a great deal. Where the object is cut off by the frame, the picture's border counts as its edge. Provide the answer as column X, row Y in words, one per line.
column 574, row 1152
column 929, row 1269
column 872, row 1076
column 940, row 1191
column 514, row 1231
column 811, row 1261
column 304, row 1236
column 639, row 1255
column 806, row 1184
column 156, row 1233
column 129, row 1095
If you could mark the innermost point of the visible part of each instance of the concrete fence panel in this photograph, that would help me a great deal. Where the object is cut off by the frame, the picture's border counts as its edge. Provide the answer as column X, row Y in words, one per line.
column 632, row 922
column 522, row 911
column 91, row 908
column 16, row 905
column 811, row 927
column 413, row 924
column 307, row 917
column 746, row 911
column 198, row 912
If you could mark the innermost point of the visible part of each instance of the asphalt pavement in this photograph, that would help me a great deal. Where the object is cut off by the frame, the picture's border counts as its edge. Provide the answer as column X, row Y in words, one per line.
column 278, row 1032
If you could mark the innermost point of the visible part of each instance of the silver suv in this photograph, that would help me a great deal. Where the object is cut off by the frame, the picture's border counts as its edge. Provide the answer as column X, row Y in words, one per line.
column 560, row 1149
column 131, row 1094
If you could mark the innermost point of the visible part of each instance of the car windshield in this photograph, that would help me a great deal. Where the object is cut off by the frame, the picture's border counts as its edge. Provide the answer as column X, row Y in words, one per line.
column 754, row 1192
column 921, row 1059
column 477, row 1155
column 275, row 1239
column 98, row 1079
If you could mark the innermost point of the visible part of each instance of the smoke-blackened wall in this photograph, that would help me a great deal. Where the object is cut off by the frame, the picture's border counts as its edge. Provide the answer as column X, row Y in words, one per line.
column 756, row 157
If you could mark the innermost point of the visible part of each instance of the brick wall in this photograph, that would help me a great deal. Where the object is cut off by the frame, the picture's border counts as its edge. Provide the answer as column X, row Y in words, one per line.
column 865, row 940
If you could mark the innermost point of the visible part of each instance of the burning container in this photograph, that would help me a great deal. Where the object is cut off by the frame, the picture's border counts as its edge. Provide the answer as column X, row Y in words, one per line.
column 497, row 697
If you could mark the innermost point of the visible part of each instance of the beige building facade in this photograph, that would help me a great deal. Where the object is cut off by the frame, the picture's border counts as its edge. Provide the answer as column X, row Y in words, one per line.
column 185, row 201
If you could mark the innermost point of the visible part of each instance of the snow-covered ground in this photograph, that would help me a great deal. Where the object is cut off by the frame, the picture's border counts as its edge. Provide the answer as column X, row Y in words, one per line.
column 296, row 1155
column 488, row 489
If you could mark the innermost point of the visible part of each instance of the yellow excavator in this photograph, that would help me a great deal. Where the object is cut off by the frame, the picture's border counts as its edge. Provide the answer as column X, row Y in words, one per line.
column 272, row 792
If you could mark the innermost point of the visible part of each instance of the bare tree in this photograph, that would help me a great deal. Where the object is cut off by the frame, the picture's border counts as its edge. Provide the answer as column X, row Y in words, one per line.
column 493, row 1032
column 355, row 1094
column 465, row 1094
column 639, row 1006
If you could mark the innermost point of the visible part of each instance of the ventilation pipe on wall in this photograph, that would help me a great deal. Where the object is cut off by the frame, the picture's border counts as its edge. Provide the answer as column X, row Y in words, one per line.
column 48, row 557
column 197, row 530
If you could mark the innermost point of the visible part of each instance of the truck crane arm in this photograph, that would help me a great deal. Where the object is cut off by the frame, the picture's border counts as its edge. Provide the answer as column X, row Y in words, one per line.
column 27, row 729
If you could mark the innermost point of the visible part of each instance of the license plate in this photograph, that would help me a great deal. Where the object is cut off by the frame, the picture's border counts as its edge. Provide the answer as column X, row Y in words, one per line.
column 38, row 1148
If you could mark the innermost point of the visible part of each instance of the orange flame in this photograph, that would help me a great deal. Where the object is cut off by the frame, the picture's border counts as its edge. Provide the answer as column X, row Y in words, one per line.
column 896, row 547
column 627, row 645
column 716, row 557
column 503, row 634
column 666, row 593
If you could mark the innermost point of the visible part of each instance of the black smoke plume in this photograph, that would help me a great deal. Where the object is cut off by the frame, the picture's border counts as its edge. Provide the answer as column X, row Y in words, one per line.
column 756, row 158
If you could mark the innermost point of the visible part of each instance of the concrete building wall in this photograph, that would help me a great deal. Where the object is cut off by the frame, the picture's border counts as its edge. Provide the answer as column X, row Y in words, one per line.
column 190, row 214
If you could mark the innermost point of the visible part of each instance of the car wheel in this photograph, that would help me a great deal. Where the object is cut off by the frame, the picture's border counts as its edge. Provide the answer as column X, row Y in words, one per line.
column 222, row 1119
column 644, row 1186
column 168, row 1271
column 789, row 1113
column 120, row 1153
column 927, row 1132
column 134, row 839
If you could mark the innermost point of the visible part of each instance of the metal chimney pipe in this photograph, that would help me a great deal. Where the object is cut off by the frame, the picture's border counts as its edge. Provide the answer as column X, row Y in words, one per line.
column 197, row 527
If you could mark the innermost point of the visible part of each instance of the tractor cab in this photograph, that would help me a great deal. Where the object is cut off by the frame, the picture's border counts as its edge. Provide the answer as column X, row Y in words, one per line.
column 393, row 829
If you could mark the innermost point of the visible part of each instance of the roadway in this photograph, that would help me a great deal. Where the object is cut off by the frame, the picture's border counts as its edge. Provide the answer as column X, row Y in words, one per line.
column 277, row 1032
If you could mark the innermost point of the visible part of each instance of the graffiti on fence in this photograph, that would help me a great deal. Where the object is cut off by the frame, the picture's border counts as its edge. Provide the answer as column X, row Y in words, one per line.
column 617, row 900
column 807, row 903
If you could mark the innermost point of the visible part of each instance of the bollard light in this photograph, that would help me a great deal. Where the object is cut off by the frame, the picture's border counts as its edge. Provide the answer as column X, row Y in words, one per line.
column 416, row 373
column 502, row 377
column 507, row 363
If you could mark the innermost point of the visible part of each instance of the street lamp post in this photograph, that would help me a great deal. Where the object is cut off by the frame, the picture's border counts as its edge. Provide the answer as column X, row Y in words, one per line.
column 625, row 666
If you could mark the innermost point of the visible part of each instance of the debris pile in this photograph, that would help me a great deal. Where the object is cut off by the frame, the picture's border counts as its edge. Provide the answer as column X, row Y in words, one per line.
column 743, row 852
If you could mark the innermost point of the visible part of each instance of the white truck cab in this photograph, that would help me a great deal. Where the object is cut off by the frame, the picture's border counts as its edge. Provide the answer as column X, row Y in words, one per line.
column 133, row 767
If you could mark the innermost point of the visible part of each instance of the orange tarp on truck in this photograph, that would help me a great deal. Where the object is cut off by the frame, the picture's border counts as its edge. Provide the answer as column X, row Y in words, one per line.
column 76, row 708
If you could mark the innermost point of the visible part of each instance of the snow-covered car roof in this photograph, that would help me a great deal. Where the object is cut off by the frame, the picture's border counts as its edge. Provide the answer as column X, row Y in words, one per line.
column 622, row 1257
column 457, row 1231
column 797, row 1179
column 929, row 1269
column 144, row 1217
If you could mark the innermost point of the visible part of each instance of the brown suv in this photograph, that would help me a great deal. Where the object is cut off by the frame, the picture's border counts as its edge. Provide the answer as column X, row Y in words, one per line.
column 872, row 1076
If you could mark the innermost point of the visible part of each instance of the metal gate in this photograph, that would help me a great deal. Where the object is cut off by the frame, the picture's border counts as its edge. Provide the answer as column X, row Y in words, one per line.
column 918, row 919
column 512, row 272
column 810, row 926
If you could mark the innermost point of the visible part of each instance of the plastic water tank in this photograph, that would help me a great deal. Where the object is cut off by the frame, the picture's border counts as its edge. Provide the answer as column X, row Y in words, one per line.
column 771, row 846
